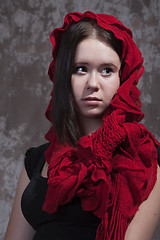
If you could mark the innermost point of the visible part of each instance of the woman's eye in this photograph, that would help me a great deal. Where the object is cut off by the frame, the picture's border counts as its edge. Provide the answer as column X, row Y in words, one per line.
column 106, row 71
column 80, row 69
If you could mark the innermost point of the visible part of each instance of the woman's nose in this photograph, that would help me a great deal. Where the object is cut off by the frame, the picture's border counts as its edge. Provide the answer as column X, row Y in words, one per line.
column 92, row 81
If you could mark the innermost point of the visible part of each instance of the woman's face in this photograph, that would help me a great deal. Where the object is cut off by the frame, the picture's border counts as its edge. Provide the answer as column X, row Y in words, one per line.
column 95, row 79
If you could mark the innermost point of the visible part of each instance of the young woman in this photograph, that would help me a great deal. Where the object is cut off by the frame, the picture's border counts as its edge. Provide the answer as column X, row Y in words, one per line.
column 98, row 177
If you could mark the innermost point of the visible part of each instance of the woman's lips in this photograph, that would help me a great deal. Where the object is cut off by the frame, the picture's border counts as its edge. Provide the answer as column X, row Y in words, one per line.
column 92, row 100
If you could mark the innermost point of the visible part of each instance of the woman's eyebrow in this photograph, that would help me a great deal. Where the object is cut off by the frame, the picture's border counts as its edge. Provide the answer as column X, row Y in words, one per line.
column 81, row 63
column 102, row 64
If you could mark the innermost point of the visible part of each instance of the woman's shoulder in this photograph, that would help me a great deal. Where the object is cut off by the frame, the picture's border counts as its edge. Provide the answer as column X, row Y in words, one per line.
column 35, row 157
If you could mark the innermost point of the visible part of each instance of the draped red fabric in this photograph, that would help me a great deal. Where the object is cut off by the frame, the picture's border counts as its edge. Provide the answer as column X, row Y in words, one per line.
column 114, row 170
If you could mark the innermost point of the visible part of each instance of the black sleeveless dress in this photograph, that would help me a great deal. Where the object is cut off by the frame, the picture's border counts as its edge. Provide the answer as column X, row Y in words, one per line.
column 69, row 222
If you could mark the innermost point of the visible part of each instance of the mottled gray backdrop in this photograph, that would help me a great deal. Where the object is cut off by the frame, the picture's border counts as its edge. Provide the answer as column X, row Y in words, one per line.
column 25, row 53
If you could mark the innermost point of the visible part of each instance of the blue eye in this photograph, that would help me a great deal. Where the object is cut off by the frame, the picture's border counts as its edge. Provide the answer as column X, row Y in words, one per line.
column 80, row 69
column 106, row 71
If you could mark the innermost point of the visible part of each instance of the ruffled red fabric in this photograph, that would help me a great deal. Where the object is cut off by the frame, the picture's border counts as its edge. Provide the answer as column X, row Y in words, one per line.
column 114, row 170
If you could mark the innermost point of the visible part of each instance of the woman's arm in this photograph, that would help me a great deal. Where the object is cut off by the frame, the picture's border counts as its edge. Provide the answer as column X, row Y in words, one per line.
column 147, row 217
column 18, row 228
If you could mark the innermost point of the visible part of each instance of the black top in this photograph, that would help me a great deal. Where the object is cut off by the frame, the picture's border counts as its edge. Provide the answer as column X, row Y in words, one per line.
column 69, row 222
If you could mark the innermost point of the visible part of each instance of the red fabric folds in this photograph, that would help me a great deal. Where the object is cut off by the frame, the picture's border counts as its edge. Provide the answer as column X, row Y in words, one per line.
column 113, row 170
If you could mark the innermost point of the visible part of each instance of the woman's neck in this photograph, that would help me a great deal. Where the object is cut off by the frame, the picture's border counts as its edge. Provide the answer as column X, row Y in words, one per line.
column 89, row 125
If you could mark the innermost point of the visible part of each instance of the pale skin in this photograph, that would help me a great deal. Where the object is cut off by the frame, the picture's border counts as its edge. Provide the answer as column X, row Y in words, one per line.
column 95, row 74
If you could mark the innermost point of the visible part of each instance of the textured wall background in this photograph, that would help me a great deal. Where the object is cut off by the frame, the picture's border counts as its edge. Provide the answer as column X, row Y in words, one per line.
column 25, row 53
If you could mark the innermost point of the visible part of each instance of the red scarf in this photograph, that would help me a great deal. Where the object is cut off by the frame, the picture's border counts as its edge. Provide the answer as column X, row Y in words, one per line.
column 114, row 170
